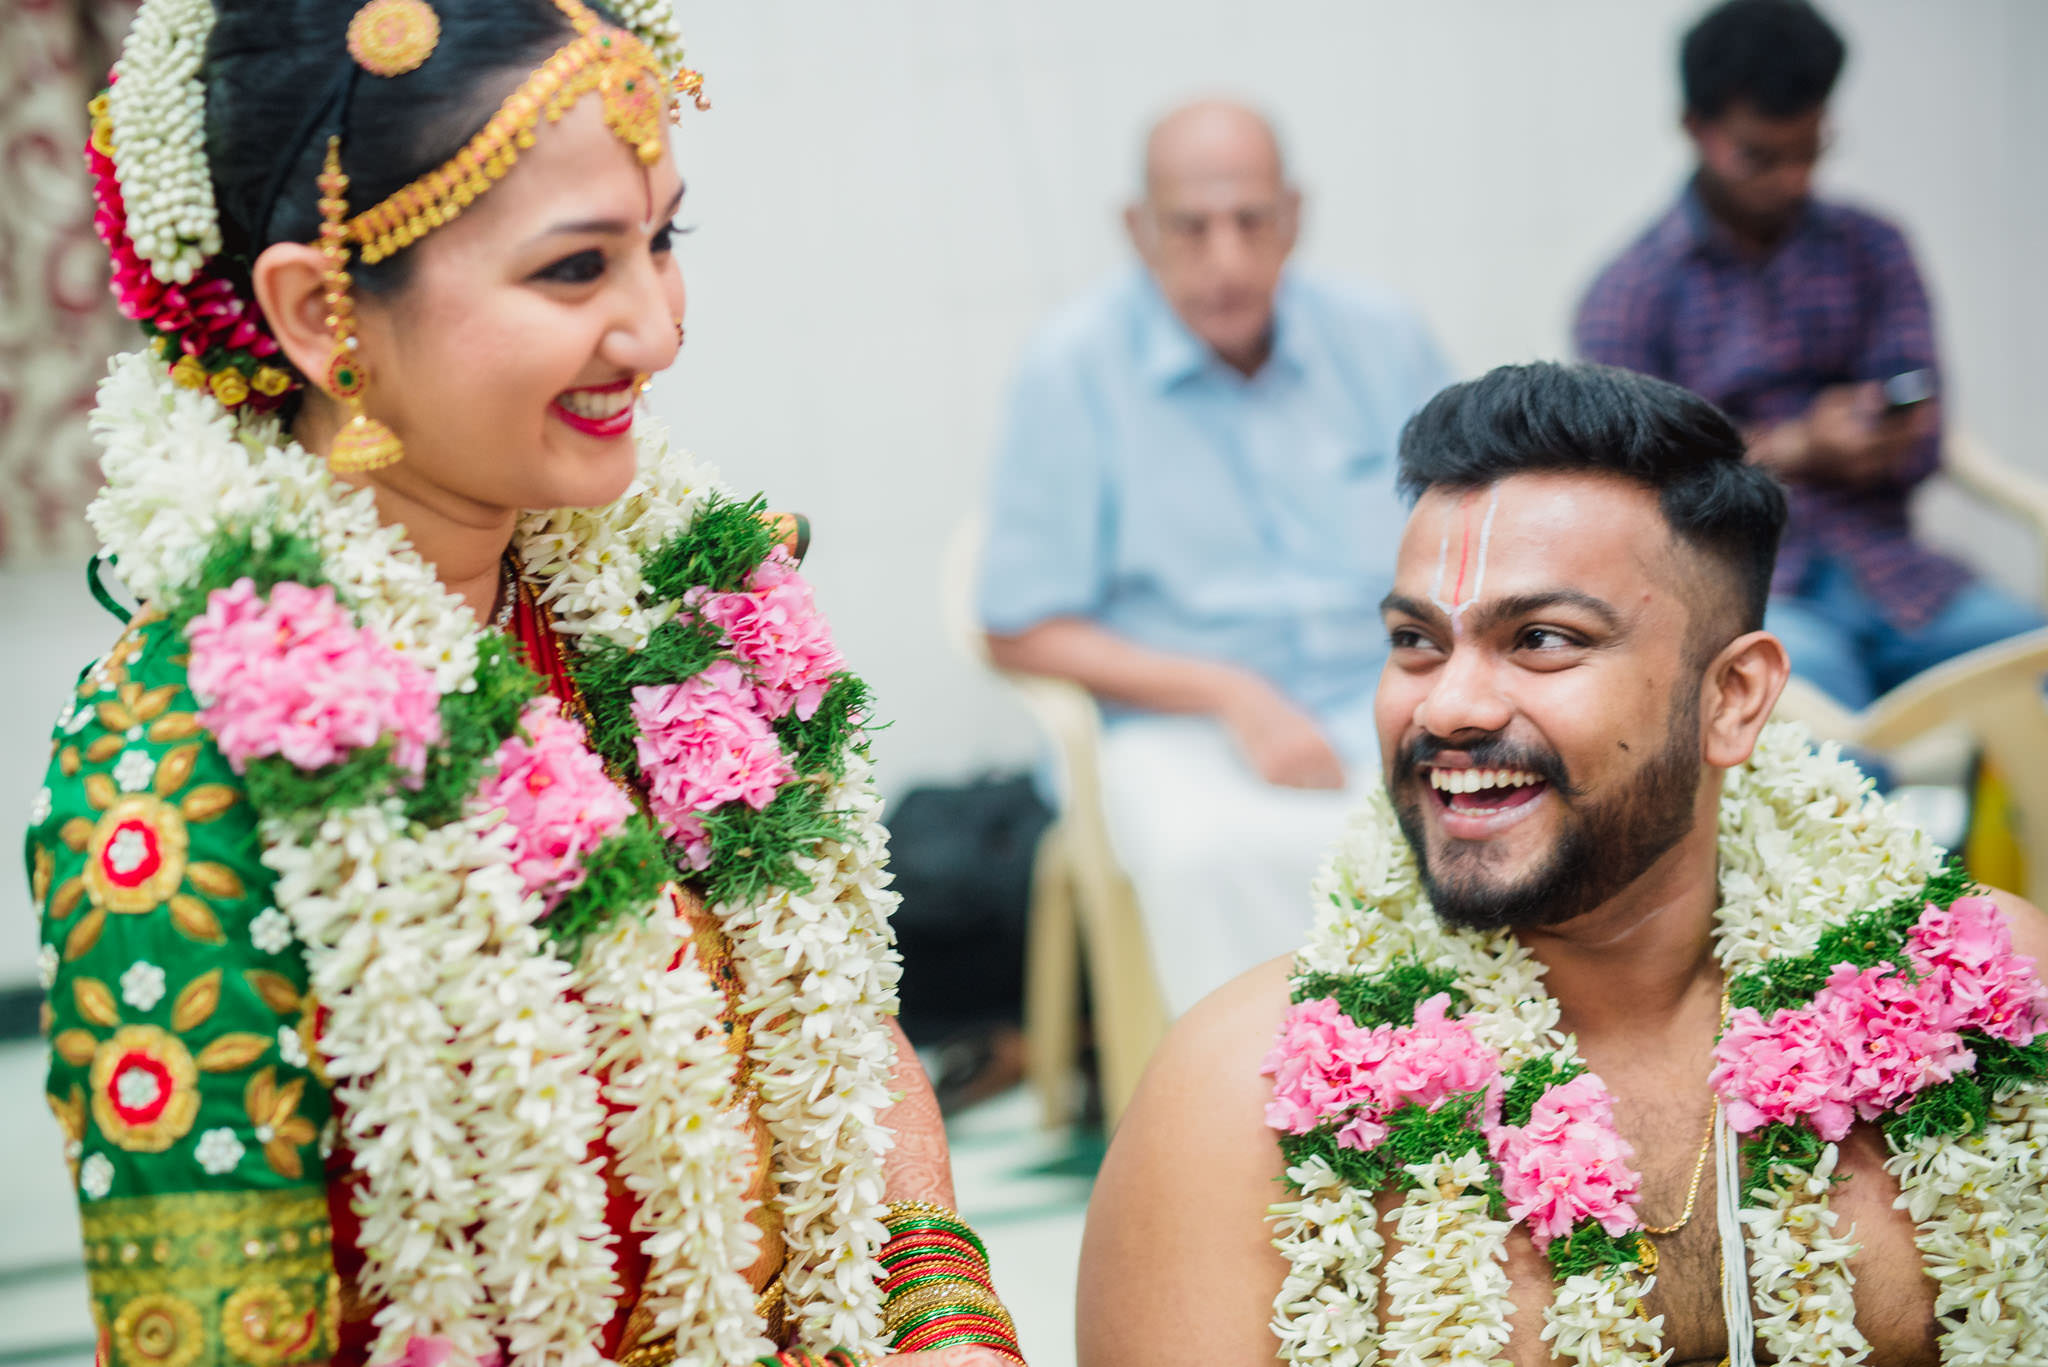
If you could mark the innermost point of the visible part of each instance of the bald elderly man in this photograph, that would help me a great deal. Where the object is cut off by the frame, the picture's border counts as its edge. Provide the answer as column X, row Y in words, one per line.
column 1193, row 515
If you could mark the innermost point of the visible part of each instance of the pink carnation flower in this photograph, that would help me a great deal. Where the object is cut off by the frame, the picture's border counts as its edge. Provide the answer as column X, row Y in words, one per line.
column 1964, row 953
column 1325, row 1066
column 1895, row 1034
column 1568, row 1164
column 1321, row 1065
column 556, row 797
column 776, row 628
column 703, row 744
column 1433, row 1060
column 294, row 675
column 1787, row 1069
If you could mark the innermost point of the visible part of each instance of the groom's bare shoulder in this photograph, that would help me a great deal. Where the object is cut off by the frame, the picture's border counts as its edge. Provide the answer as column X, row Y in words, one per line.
column 1177, row 1249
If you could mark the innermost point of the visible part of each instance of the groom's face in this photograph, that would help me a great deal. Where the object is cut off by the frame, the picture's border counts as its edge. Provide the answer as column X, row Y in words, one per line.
column 1539, row 712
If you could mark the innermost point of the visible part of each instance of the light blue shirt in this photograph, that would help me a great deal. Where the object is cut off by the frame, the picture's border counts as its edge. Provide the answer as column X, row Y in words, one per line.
column 1145, row 485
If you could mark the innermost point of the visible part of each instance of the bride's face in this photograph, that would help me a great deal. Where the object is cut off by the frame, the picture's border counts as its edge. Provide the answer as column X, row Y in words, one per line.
column 509, row 360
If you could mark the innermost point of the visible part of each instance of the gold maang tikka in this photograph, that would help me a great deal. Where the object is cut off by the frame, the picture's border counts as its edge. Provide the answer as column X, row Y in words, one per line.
column 363, row 442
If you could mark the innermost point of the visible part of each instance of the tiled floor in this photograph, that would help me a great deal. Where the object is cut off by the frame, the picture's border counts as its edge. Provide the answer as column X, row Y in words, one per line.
column 1023, row 1189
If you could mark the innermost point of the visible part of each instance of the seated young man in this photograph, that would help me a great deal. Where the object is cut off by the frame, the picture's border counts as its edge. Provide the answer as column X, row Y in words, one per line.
column 1583, row 962
column 1791, row 312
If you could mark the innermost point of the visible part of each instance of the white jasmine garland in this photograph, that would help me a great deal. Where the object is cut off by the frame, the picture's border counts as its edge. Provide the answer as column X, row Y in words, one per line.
column 1448, row 1281
column 1802, row 841
column 464, row 1054
column 158, row 112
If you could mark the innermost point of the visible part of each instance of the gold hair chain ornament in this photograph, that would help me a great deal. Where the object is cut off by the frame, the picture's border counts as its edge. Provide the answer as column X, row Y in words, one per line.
column 615, row 64
column 363, row 443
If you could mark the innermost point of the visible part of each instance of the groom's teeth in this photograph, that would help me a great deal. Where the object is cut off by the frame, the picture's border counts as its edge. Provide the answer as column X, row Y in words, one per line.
column 1475, row 780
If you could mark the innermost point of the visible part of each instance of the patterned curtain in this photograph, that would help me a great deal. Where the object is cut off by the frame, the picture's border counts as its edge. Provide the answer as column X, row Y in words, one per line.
column 57, row 321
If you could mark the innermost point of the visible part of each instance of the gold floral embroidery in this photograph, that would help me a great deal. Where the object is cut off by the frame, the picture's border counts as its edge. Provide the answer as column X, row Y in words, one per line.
column 70, row 1113
column 95, row 1002
column 196, row 921
column 136, row 857
column 264, row 1325
column 145, row 1092
column 84, row 935
column 217, row 1252
column 174, row 769
column 160, row 1331
column 196, row 1003
column 274, row 1110
column 232, row 1053
column 42, row 874
column 275, row 989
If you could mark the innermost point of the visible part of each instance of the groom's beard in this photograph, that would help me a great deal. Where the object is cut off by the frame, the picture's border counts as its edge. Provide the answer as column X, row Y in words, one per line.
column 1605, row 845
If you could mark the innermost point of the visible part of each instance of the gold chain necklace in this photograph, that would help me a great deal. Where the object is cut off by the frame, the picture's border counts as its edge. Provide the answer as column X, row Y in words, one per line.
column 1699, row 1168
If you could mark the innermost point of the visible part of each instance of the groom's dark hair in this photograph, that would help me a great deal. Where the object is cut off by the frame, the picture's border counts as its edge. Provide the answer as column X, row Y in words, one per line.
column 1596, row 419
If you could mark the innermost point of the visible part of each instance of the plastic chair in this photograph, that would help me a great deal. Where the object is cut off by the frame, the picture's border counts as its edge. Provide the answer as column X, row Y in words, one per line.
column 1084, row 913
column 1993, row 695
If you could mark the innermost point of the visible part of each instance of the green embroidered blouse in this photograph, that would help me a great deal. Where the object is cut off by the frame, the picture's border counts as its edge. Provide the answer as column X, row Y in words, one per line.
column 181, row 1068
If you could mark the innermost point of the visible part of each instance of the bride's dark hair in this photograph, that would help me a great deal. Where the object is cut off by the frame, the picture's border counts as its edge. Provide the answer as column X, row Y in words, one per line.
column 280, row 81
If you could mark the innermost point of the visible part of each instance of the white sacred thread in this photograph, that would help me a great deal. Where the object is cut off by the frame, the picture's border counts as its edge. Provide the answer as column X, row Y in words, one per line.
column 1456, row 611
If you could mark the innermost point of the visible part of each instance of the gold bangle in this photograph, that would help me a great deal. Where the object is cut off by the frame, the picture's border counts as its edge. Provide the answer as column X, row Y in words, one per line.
column 958, row 1295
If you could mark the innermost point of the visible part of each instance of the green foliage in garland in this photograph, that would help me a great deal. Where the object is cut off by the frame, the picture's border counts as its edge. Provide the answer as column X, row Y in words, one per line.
column 1388, row 998
column 821, row 744
column 620, row 877
column 722, row 547
column 1962, row 1105
column 1958, row 1106
column 1862, row 940
column 677, row 650
column 278, row 786
column 268, row 556
column 2002, row 1066
column 1773, row 1144
column 753, row 853
column 1528, row 1083
column 1365, row 1171
column 473, row 726
column 1588, row 1248
column 1414, row 1135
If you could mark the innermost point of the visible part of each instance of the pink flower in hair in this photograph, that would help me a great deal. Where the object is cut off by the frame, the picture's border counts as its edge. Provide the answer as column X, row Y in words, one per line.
column 1895, row 1035
column 556, row 796
column 1568, row 1164
column 1784, row 1070
column 703, row 744
column 293, row 675
column 776, row 628
column 1964, row 953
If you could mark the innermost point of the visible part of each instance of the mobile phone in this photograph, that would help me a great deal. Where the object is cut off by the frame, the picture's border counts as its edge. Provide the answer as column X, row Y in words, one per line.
column 1908, row 390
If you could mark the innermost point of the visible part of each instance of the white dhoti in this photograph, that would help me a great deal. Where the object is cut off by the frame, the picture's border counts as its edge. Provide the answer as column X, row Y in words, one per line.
column 1221, row 860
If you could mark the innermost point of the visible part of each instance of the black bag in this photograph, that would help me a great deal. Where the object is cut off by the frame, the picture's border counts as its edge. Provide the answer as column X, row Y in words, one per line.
column 962, row 857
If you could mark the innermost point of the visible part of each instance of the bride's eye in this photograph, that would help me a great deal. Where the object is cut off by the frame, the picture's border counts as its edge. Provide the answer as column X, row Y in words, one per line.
column 578, row 268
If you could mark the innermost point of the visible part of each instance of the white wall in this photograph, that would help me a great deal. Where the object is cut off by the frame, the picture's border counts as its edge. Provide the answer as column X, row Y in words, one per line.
column 891, row 193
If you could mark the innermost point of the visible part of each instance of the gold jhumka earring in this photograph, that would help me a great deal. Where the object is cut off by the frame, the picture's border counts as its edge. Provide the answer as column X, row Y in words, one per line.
column 363, row 442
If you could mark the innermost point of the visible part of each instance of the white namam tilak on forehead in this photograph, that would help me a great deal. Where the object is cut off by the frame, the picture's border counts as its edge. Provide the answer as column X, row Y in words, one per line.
column 1470, row 580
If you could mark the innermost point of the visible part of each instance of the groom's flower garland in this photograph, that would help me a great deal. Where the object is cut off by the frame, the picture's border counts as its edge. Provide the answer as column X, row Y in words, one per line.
column 1866, row 985
column 483, row 914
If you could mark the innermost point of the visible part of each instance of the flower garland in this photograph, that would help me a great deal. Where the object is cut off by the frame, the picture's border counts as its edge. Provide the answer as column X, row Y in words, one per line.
column 1866, row 983
column 483, row 915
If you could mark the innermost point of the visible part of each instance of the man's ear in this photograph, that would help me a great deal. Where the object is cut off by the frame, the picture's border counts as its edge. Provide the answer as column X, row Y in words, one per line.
column 1138, row 229
column 1741, row 687
column 290, row 283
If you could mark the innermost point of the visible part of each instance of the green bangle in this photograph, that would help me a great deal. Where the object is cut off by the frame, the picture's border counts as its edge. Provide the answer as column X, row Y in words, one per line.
column 931, row 1279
